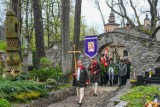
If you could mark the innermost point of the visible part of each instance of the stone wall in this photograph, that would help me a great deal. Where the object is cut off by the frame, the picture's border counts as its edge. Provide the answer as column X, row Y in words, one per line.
column 143, row 52
column 54, row 54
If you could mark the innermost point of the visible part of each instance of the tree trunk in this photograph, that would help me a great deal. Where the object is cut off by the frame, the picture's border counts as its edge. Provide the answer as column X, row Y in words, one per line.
column 39, row 33
column 77, row 26
column 65, row 36
column 77, row 20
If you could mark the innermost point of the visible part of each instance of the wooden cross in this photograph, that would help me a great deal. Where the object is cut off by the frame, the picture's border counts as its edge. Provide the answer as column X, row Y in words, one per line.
column 74, row 52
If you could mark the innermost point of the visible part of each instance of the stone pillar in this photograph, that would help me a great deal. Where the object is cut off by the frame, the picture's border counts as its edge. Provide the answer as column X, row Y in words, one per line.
column 11, row 31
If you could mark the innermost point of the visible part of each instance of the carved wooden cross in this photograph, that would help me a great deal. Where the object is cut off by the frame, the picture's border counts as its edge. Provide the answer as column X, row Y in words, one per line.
column 74, row 52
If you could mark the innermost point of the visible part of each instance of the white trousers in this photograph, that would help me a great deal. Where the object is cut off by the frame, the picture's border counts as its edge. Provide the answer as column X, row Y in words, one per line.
column 95, row 87
column 80, row 93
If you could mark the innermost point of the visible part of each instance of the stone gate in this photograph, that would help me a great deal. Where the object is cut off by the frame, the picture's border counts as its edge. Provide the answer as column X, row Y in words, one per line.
column 144, row 52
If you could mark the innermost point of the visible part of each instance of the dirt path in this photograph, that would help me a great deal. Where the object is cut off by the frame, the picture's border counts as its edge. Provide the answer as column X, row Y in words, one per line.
column 104, row 93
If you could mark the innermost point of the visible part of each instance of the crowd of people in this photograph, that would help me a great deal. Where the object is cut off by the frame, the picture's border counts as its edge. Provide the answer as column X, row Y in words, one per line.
column 102, row 72
column 114, row 73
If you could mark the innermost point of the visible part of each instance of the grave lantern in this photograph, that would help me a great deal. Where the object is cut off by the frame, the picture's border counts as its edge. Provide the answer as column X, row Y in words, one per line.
column 11, row 31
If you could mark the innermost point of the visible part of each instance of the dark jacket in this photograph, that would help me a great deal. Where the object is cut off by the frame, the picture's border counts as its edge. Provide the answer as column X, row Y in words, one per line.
column 82, row 80
column 96, row 68
column 122, row 69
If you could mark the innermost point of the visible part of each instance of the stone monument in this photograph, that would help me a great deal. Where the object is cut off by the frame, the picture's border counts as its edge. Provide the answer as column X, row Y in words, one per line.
column 11, row 31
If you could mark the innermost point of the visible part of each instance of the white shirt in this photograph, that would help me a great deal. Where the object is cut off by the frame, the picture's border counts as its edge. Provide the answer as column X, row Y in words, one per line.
column 78, row 75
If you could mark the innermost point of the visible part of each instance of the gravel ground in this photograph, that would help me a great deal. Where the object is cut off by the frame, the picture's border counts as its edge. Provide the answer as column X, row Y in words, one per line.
column 104, row 94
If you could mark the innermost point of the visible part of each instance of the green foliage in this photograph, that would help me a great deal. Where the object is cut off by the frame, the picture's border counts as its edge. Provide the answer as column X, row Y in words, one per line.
column 47, row 72
column 64, row 86
column 21, row 76
column 4, row 103
column 104, row 69
column 85, row 30
column 43, row 74
column 45, row 62
column 10, row 88
column 1, row 70
column 3, row 45
column 24, row 96
column 51, row 81
column 138, row 95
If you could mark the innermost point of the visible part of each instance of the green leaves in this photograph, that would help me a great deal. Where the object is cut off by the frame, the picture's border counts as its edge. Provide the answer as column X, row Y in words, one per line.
column 3, row 45
column 8, row 89
column 138, row 95
column 4, row 103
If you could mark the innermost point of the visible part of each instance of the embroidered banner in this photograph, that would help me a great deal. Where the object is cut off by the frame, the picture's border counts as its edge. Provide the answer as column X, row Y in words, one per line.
column 90, row 43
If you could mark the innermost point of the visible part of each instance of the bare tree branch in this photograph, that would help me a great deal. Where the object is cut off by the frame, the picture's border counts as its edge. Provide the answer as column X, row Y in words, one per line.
column 153, row 11
column 135, row 12
column 98, row 6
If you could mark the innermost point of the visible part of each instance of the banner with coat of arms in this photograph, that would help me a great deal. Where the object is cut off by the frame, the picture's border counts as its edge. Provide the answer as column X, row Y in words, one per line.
column 91, row 46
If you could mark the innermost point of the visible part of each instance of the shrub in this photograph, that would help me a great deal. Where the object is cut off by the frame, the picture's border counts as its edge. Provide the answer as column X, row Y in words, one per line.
column 43, row 74
column 9, row 88
column 48, row 72
column 24, row 96
column 45, row 62
column 51, row 81
column 4, row 103
column 138, row 95
column 22, row 76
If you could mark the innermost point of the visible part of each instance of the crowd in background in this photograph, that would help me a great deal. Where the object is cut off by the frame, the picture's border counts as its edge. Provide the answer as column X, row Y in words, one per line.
column 114, row 72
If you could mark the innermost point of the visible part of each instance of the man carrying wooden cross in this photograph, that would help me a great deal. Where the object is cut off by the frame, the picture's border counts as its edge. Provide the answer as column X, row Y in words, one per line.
column 80, row 77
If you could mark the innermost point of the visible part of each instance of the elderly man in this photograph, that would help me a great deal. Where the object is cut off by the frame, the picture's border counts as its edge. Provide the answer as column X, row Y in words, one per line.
column 80, row 80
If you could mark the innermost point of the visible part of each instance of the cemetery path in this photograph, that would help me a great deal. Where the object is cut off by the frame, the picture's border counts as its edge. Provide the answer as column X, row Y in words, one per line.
column 104, row 94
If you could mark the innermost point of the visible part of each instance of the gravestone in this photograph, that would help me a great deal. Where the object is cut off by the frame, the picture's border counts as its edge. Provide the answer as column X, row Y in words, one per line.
column 11, row 31
column 27, row 56
column 27, row 61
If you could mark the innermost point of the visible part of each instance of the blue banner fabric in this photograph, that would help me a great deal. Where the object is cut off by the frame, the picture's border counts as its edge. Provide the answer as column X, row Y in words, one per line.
column 91, row 46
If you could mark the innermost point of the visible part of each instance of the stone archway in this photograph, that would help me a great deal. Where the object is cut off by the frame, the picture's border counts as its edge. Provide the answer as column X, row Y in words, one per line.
column 143, row 51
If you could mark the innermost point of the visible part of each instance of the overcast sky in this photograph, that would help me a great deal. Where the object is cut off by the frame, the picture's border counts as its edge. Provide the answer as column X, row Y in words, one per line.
column 92, row 15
